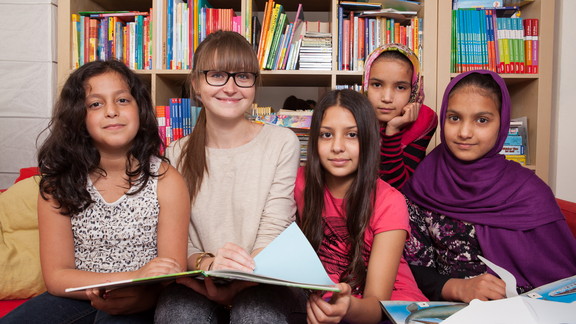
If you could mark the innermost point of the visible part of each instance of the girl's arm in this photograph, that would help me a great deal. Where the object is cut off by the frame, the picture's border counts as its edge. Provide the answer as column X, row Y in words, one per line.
column 57, row 241
column 382, row 269
column 174, row 216
column 398, row 164
column 57, row 254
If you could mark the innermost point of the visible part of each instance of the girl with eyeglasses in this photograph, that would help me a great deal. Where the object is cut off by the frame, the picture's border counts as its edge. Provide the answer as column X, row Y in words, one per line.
column 240, row 176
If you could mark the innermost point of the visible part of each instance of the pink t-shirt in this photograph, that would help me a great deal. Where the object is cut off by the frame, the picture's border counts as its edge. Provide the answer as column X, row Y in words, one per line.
column 390, row 213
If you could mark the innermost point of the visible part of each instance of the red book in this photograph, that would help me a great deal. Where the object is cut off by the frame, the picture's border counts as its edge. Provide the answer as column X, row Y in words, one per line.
column 528, row 44
column 361, row 39
column 346, row 45
column 402, row 35
column 535, row 46
column 86, row 40
column 351, row 41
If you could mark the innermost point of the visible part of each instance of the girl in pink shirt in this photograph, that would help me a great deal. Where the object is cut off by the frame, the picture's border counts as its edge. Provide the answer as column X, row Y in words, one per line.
column 356, row 222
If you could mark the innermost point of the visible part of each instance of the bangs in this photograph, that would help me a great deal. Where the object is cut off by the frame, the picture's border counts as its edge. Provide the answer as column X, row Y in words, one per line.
column 233, row 58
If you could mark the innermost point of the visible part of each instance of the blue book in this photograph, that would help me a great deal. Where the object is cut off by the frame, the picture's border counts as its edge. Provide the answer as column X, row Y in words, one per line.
column 82, row 31
column 140, row 40
column 340, row 27
column 169, row 27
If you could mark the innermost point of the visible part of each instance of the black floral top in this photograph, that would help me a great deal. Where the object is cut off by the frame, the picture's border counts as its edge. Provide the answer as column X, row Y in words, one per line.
column 441, row 248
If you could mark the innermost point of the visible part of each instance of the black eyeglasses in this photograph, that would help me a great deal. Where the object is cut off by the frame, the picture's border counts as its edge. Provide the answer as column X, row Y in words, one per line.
column 219, row 78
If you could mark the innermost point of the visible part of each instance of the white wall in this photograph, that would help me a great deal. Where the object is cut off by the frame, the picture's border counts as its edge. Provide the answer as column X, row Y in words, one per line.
column 562, row 178
column 28, row 70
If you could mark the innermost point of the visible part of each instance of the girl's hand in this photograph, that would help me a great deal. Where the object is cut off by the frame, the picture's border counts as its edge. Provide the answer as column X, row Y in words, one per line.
column 222, row 294
column 127, row 300
column 333, row 311
column 484, row 287
column 408, row 115
column 231, row 256
column 158, row 267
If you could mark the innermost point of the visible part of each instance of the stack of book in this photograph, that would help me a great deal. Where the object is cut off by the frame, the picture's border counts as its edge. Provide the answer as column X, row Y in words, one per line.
column 122, row 35
column 516, row 145
column 495, row 39
column 177, row 119
column 361, row 32
column 316, row 51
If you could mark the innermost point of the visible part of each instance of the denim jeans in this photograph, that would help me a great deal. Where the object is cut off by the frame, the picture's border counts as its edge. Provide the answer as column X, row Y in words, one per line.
column 257, row 304
column 46, row 308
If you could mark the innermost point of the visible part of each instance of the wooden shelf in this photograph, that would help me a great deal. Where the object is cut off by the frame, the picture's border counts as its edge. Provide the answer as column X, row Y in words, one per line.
column 531, row 94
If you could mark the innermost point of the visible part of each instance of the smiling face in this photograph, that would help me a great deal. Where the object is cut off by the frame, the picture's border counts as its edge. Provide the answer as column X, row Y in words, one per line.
column 389, row 87
column 112, row 118
column 227, row 102
column 472, row 123
column 338, row 146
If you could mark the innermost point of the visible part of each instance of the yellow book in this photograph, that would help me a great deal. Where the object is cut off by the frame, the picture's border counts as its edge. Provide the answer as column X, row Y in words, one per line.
column 273, row 22
column 75, row 45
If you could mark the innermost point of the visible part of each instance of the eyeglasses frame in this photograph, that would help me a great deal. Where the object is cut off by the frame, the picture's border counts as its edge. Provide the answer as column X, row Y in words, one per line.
column 233, row 75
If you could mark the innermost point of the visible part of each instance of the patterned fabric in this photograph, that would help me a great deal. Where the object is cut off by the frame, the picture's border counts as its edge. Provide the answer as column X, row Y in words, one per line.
column 398, row 161
column 448, row 245
column 119, row 236
column 333, row 252
column 440, row 242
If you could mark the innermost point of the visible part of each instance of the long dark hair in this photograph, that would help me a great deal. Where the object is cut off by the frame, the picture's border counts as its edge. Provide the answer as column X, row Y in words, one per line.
column 359, row 198
column 221, row 51
column 68, row 155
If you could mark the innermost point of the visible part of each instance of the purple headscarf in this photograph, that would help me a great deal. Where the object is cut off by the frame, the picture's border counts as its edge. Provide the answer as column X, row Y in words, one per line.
column 518, row 222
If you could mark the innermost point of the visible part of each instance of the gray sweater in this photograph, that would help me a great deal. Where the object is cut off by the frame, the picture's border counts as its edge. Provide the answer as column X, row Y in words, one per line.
column 247, row 197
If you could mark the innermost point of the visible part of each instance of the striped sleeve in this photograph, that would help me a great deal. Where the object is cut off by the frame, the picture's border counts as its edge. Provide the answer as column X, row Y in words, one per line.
column 397, row 164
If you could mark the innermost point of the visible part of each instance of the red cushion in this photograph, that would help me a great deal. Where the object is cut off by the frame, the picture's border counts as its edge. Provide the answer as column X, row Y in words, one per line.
column 7, row 305
column 569, row 210
column 24, row 174
column 27, row 173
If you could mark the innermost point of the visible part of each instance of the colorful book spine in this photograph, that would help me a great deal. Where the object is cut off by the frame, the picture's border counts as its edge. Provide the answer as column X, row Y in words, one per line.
column 535, row 46
column 528, row 44
column 169, row 135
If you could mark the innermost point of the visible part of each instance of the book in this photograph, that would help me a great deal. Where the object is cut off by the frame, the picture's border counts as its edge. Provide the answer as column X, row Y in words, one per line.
column 550, row 303
column 401, row 312
column 289, row 260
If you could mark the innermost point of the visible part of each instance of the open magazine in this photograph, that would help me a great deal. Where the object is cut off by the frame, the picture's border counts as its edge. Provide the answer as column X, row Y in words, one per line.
column 289, row 260
column 548, row 303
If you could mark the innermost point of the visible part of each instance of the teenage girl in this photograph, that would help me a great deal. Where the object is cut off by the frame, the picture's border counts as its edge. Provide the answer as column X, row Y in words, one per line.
column 110, row 207
column 393, row 83
column 465, row 200
column 241, row 180
column 357, row 223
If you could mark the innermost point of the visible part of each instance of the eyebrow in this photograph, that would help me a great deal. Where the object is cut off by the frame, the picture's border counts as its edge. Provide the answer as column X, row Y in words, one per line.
column 401, row 81
column 477, row 114
column 347, row 128
column 115, row 93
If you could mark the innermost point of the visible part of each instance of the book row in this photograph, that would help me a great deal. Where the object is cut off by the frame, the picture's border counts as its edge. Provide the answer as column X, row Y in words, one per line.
column 481, row 39
column 183, row 25
column 125, row 36
column 359, row 34
column 177, row 119
column 277, row 40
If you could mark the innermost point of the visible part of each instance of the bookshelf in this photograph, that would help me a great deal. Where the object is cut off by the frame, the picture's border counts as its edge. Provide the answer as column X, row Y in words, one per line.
column 168, row 83
column 531, row 94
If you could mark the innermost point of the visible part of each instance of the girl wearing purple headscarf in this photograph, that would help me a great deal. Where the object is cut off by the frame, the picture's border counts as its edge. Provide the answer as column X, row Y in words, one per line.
column 466, row 200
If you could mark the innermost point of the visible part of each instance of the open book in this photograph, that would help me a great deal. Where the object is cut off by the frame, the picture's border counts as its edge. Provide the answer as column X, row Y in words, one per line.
column 289, row 260
column 550, row 303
